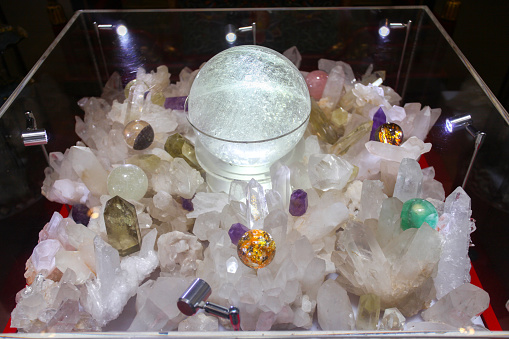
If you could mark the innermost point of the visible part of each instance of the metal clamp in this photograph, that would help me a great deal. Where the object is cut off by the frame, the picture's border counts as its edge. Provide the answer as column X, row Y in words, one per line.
column 195, row 298
column 32, row 135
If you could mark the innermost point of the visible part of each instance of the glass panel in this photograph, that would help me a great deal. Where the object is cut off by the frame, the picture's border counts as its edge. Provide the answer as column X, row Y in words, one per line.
column 421, row 63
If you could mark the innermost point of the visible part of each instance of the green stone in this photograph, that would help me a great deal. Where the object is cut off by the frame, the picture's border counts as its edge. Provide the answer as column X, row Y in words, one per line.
column 122, row 226
column 179, row 147
column 368, row 313
column 343, row 144
column 321, row 126
column 417, row 211
column 147, row 162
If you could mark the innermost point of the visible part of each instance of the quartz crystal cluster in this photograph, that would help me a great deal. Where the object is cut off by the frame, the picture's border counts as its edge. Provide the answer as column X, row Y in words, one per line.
column 334, row 213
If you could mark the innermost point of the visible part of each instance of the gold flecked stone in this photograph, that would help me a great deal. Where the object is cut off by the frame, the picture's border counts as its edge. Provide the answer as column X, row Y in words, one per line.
column 256, row 249
column 122, row 226
column 390, row 133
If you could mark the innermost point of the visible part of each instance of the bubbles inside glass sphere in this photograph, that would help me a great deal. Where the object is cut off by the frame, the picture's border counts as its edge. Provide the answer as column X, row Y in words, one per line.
column 128, row 182
column 250, row 105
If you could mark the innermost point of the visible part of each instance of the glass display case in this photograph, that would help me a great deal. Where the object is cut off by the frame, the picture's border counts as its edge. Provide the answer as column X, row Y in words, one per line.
column 421, row 63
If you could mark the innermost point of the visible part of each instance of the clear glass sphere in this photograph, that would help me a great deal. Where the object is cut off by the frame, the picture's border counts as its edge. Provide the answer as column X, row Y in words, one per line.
column 249, row 105
column 128, row 182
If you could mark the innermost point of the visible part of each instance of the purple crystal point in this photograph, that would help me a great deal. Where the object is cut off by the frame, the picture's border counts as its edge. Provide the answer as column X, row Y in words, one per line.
column 298, row 203
column 378, row 120
column 236, row 232
column 80, row 214
column 177, row 103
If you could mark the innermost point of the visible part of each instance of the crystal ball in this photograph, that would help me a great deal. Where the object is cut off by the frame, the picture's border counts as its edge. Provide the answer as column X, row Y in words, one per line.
column 390, row 133
column 249, row 106
column 128, row 182
column 256, row 249
column 417, row 211
column 138, row 134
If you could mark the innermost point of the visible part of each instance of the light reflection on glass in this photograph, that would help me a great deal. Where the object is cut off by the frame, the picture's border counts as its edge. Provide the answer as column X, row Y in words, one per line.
column 121, row 30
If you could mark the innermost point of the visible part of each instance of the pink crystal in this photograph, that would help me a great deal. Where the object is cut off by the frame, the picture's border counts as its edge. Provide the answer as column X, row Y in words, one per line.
column 298, row 203
column 316, row 81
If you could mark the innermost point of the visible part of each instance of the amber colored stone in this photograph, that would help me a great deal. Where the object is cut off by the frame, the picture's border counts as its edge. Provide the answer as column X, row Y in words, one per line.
column 390, row 133
column 179, row 147
column 321, row 126
column 122, row 226
column 256, row 248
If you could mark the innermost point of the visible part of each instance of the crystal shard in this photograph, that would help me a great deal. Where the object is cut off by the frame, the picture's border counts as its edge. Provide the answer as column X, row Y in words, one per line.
column 378, row 120
column 179, row 147
column 89, row 169
column 328, row 171
column 392, row 320
column 122, row 226
column 368, row 313
column 455, row 225
column 320, row 125
column 257, row 208
column 333, row 308
column 371, row 199
column 344, row 143
column 236, row 232
column 409, row 180
column 458, row 306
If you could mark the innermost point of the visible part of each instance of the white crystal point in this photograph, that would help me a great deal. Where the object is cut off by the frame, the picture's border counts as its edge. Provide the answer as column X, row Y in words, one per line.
column 184, row 179
column 89, row 169
column 409, row 180
column 43, row 255
column 178, row 253
column 372, row 197
column 257, row 208
column 199, row 322
column 389, row 173
column 455, row 225
column 412, row 148
column 328, row 171
column 158, row 310
column 207, row 202
column 431, row 188
column 392, row 320
column 389, row 221
column 280, row 177
column 334, row 87
column 459, row 306
column 334, row 308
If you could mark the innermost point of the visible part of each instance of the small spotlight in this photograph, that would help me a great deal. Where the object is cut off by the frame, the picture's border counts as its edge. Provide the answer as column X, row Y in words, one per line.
column 456, row 122
column 231, row 37
column 386, row 26
column 384, row 31
column 231, row 32
column 121, row 30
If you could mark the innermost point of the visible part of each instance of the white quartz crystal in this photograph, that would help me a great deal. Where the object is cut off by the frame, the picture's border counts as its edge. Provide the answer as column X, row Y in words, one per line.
column 178, row 253
column 371, row 199
column 455, row 226
column 409, row 180
column 200, row 322
column 392, row 320
column 328, row 171
column 334, row 308
column 459, row 306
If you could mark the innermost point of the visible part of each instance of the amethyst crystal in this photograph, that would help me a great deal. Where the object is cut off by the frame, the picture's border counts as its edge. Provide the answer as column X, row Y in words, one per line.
column 298, row 203
column 378, row 120
column 187, row 204
column 80, row 214
column 236, row 232
column 177, row 103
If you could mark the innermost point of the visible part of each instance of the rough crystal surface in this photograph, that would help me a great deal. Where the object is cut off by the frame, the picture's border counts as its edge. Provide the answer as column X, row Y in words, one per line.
column 459, row 306
column 392, row 320
column 328, row 171
column 334, row 309
column 409, row 180
column 178, row 253
column 236, row 232
column 298, row 203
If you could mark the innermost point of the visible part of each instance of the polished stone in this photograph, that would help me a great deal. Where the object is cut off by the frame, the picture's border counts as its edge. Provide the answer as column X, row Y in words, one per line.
column 390, row 133
column 316, row 81
column 138, row 134
column 128, row 182
column 298, row 203
column 179, row 147
column 122, row 226
column 81, row 214
column 417, row 211
column 256, row 249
